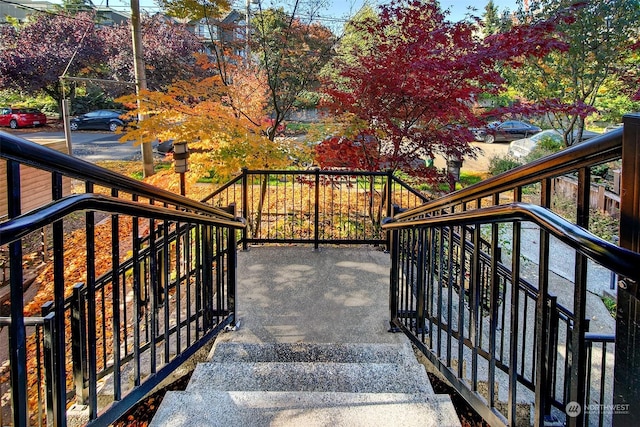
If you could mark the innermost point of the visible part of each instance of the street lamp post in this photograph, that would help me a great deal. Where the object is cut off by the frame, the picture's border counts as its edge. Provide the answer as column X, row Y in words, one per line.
column 454, row 163
column 180, row 156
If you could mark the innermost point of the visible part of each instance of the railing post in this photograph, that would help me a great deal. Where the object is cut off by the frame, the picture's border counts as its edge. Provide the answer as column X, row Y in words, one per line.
column 393, row 280
column 231, row 269
column 542, row 316
column 577, row 355
column 627, row 354
column 79, row 344
column 316, row 221
column 245, row 206
column 17, row 333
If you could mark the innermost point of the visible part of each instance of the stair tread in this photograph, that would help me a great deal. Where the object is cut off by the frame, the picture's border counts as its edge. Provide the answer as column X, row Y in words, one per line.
column 311, row 376
column 312, row 352
column 260, row 408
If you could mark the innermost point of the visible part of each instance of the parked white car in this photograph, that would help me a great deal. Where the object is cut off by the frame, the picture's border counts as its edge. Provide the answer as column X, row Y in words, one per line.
column 521, row 148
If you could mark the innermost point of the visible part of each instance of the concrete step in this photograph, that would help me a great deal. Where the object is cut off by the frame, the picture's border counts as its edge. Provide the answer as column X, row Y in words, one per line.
column 307, row 376
column 260, row 408
column 309, row 352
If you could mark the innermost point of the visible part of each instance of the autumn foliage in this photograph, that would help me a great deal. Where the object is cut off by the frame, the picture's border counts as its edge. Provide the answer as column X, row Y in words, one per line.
column 410, row 95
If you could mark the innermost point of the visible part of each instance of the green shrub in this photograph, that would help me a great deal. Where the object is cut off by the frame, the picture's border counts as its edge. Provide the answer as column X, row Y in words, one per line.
column 500, row 164
column 545, row 147
column 611, row 305
column 42, row 102
column 92, row 101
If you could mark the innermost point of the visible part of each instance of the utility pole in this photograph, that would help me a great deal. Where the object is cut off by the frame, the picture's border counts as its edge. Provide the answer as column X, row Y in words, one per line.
column 247, row 49
column 141, row 80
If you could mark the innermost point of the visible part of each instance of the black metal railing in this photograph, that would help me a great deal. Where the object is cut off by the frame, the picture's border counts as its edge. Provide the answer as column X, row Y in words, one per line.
column 156, row 283
column 496, row 320
column 315, row 206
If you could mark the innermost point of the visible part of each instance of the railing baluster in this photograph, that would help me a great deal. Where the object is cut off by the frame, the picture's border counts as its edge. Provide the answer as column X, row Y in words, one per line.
column 316, row 211
column 552, row 346
column 137, row 294
column 60, row 393
column 493, row 309
column 587, row 396
column 438, row 308
column 603, row 376
column 452, row 266
column 231, row 274
column 389, row 193
column 475, row 306
column 49, row 346
column 115, row 305
column 166, row 283
column 245, row 208
column 178, row 287
column 188, row 274
column 219, row 273
column 430, row 240
column 462, row 289
column 79, row 344
column 422, row 280
column 91, row 309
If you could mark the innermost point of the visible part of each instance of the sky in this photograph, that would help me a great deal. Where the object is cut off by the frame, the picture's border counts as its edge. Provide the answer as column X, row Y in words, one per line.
column 340, row 8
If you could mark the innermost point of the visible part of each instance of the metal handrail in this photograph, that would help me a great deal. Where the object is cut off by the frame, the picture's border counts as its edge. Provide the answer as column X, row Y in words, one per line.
column 620, row 260
column 21, row 226
column 600, row 149
column 32, row 154
column 182, row 237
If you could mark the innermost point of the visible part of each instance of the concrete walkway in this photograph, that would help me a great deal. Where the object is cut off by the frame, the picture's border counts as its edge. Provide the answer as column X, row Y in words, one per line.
column 293, row 294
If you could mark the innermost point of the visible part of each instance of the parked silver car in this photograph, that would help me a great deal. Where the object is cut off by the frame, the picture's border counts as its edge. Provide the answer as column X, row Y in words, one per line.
column 521, row 148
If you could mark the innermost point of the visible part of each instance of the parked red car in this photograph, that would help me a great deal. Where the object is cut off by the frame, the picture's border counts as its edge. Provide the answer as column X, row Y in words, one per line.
column 21, row 117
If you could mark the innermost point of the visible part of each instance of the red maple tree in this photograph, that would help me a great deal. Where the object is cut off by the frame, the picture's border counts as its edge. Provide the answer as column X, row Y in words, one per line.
column 411, row 95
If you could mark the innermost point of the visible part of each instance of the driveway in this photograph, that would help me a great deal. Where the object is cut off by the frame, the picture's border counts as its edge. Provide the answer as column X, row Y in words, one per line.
column 481, row 163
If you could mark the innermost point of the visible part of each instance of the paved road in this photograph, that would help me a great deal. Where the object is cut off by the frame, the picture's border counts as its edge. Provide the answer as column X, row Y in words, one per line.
column 92, row 146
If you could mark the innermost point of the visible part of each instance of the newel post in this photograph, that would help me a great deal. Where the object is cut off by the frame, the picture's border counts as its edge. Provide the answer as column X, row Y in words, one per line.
column 627, row 358
column 394, row 277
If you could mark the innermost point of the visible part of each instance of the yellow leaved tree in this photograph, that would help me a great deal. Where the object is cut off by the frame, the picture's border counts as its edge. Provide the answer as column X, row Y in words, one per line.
column 224, row 125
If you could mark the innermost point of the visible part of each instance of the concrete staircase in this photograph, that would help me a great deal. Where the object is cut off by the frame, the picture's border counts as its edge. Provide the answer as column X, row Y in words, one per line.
column 283, row 384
